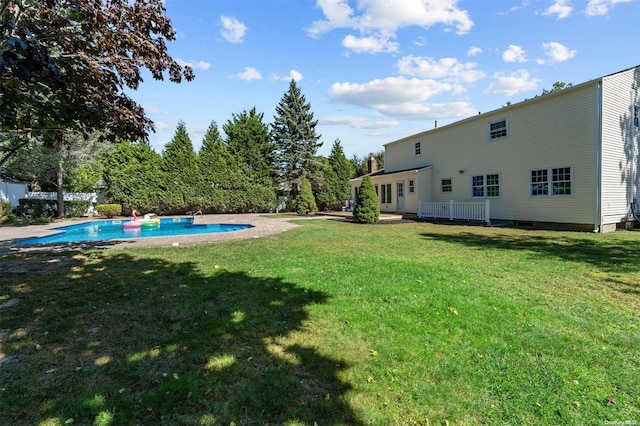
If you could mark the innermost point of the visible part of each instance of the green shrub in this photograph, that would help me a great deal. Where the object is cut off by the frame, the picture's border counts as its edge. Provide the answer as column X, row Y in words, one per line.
column 38, row 208
column 367, row 209
column 76, row 208
column 49, row 208
column 109, row 210
column 5, row 210
column 305, row 202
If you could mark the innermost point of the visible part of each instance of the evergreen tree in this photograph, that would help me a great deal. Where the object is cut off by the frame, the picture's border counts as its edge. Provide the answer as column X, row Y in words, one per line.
column 367, row 209
column 183, row 183
column 249, row 139
column 132, row 176
column 229, row 183
column 343, row 170
column 294, row 135
column 305, row 202
column 325, row 189
column 214, row 162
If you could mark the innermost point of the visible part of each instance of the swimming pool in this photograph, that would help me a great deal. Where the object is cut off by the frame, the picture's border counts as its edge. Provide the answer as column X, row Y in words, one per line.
column 114, row 230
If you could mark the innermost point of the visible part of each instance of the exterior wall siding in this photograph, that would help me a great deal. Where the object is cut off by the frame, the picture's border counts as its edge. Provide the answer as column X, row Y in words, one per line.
column 619, row 145
column 556, row 130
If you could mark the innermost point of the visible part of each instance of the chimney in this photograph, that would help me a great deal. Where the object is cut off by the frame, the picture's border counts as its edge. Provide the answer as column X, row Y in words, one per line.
column 372, row 165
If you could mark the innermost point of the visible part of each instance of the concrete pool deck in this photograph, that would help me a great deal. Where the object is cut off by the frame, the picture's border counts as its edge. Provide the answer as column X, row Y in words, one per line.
column 263, row 226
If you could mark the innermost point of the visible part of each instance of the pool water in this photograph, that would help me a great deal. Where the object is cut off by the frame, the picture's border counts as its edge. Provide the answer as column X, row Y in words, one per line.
column 103, row 230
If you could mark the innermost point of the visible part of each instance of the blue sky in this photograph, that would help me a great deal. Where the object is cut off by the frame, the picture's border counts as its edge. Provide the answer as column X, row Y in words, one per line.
column 375, row 71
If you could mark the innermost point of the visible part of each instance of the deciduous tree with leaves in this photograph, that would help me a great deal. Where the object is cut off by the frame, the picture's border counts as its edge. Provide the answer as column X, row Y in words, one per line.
column 65, row 65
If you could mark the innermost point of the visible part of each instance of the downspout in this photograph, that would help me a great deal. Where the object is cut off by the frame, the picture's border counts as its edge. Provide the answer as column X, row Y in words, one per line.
column 598, row 199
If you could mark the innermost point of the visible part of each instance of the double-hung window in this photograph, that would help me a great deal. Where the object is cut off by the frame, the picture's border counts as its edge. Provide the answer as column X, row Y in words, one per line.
column 498, row 129
column 551, row 182
column 385, row 193
column 417, row 148
column 445, row 185
column 412, row 187
column 485, row 185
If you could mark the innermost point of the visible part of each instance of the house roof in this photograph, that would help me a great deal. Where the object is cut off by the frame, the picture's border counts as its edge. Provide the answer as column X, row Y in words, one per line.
column 382, row 172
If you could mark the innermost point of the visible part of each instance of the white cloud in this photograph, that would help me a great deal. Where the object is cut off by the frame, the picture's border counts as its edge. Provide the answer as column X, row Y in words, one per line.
column 392, row 90
column 401, row 97
column 446, row 69
column 369, row 44
column 557, row 52
column 293, row 75
column 473, row 51
column 160, row 125
column 200, row 65
column 389, row 16
column 355, row 122
column 561, row 8
column 509, row 85
column 514, row 54
column 249, row 73
column 233, row 30
column 601, row 7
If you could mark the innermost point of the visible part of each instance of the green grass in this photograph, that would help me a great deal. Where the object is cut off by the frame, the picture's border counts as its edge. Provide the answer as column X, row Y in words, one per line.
column 332, row 323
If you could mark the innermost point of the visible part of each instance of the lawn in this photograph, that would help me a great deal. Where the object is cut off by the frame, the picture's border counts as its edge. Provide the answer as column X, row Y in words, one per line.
column 333, row 323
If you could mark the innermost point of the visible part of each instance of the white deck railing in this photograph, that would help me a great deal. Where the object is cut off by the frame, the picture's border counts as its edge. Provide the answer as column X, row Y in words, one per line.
column 476, row 211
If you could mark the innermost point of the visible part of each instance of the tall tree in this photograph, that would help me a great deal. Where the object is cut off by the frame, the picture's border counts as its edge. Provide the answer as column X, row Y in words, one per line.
column 183, row 183
column 65, row 65
column 343, row 170
column 248, row 138
column 294, row 135
column 132, row 176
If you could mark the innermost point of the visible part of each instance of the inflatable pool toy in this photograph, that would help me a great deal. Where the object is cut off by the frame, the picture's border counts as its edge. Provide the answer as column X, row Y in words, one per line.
column 146, row 222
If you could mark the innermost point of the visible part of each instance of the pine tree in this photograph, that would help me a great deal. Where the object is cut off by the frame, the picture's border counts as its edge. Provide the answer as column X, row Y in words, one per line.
column 230, row 185
column 249, row 139
column 343, row 170
column 132, row 177
column 294, row 135
column 367, row 209
column 183, row 183
column 305, row 202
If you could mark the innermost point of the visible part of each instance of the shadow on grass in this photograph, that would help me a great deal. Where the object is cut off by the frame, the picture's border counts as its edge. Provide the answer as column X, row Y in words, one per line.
column 112, row 339
column 611, row 256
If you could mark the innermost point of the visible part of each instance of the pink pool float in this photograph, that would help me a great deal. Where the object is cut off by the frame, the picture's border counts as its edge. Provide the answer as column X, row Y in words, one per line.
column 146, row 222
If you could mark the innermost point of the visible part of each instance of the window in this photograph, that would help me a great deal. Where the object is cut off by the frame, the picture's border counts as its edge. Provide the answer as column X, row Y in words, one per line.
column 445, row 185
column 552, row 182
column 412, row 187
column 636, row 116
column 417, row 148
column 485, row 185
column 400, row 189
column 498, row 129
column 385, row 193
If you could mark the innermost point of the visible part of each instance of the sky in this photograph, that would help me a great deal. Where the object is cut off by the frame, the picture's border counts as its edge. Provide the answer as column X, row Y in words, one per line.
column 375, row 71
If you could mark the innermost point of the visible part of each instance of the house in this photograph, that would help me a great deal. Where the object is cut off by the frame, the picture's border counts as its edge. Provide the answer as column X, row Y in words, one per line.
column 569, row 158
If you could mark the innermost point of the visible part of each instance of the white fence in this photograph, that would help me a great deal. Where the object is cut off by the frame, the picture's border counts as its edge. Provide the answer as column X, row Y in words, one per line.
column 455, row 211
column 11, row 192
column 91, row 197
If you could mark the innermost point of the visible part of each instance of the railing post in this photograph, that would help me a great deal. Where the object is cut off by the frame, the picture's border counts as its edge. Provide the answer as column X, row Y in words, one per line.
column 450, row 209
column 487, row 212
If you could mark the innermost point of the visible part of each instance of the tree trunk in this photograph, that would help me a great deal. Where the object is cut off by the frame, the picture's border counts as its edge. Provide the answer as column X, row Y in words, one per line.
column 61, row 146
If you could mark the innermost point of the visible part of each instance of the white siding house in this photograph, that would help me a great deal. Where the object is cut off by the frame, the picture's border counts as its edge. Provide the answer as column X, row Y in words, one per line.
column 569, row 157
